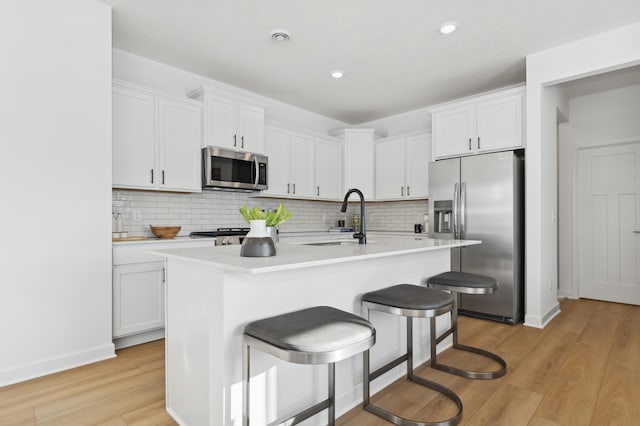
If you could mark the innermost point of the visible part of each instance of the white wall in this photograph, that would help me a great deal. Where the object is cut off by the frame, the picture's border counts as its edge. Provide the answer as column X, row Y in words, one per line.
column 178, row 82
column 602, row 118
column 418, row 120
column 604, row 52
column 55, row 172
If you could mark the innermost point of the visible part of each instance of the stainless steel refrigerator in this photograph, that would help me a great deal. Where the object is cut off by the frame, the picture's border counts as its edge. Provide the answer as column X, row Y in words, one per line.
column 481, row 197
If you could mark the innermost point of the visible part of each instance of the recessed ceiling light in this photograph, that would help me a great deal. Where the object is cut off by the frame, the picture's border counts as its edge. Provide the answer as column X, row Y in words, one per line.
column 280, row 36
column 337, row 74
column 448, row 27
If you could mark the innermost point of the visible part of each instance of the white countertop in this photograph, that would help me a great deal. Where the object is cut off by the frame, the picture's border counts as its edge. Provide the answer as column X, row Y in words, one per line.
column 298, row 255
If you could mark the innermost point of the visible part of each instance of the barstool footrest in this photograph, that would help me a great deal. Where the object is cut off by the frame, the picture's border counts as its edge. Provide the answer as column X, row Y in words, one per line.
column 303, row 415
column 401, row 421
column 388, row 366
column 484, row 375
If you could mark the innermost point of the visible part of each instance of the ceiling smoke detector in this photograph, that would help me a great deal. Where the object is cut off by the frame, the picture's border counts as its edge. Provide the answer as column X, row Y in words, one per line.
column 280, row 36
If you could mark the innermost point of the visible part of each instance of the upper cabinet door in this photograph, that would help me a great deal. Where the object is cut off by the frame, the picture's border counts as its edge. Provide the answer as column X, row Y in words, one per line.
column 302, row 166
column 180, row 137
column 500, row 123
column 134, row 139
column 278, row 148
column 359, row 170
column 490, row 122
column 454, row 130
column 418, row 151
column 231, row 123
column 251, row 128
column 221, row 123
column 329, row 163
column 389, row 169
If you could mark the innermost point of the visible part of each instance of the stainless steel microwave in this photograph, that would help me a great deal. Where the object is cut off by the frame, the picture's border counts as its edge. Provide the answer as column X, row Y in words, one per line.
column 226, row 168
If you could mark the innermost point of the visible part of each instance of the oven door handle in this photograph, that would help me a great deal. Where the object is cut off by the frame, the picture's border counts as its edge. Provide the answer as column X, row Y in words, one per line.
column 257, row 168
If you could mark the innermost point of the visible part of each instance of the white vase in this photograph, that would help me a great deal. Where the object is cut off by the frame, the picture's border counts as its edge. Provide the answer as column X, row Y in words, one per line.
column 258, row 242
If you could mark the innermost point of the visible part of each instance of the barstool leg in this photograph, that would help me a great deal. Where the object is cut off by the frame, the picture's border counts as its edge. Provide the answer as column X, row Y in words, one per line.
column 245, row 383
column 409, row 347
column 484, row 375
column 368, row 376
column 331, row 409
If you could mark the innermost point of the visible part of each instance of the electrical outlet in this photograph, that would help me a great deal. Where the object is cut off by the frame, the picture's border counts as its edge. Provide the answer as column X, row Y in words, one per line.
column 137, row 215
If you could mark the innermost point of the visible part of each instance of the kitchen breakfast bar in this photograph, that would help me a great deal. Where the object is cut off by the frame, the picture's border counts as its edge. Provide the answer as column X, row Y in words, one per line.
column 213, row 292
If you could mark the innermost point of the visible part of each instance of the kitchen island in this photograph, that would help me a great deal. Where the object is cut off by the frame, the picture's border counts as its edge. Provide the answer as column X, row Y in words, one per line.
column 213, row 292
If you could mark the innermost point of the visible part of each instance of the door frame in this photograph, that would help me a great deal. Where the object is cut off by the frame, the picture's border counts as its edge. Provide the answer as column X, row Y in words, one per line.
column 575, row 202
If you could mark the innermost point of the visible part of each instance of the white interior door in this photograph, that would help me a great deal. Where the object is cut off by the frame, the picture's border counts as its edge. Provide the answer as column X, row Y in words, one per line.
column 609, row 223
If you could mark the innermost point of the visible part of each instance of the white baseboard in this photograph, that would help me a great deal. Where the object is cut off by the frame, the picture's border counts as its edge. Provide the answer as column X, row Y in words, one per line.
column 136, row 339
column 44, row 367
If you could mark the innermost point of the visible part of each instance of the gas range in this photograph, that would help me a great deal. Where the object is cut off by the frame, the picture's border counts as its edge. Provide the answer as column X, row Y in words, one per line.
column 223, row 236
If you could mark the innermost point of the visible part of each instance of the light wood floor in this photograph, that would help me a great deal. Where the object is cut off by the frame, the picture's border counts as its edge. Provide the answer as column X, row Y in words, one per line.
column 582, row 369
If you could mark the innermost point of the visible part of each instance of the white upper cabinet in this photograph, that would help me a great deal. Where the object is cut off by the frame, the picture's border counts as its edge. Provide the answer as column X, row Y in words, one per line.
column 156, row 140
column 359, row 161
column 418, row 156
column 329, row 164
column 231, row 123
column 401, row 170
column 134, row 138
column 390, row 157
column 179, row 142
column 303, row 166
column 277, row 144
column 492, row 122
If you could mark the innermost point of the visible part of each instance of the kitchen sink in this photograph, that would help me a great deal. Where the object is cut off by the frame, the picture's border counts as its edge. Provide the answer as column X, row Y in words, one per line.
column 332, row 243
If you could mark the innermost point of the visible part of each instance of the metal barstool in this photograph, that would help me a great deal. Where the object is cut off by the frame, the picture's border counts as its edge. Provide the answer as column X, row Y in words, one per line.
column 457, row 283
column 318, row 335
column 409, row 301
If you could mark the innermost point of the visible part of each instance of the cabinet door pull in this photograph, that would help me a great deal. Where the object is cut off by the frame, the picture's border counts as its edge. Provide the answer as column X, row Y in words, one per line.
column 163, row 177
column 294, row 188
column 287, row 188
column 402, row 191
column 151, row 175
column 478, row 142
column 235, row 140
column 318, row 191
column 407, row 190
column 242, row 141
column 469, row 144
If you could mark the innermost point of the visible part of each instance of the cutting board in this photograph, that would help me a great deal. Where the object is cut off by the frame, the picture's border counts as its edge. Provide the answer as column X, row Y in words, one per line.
column 129, row 239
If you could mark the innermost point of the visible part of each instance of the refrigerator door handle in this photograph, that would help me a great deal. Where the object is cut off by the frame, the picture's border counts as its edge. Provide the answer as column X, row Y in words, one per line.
column 463, row 210
column 455, row 210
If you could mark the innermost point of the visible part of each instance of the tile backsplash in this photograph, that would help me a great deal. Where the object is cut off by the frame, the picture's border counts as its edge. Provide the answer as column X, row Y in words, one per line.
column 213, row 209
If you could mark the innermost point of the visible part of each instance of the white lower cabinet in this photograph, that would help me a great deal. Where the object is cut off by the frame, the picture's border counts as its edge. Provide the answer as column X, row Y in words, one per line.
column 138, row 289
column 138, row 298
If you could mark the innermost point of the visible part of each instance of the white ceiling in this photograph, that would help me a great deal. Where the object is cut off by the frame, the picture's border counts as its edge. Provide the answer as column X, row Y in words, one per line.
column 392, row 54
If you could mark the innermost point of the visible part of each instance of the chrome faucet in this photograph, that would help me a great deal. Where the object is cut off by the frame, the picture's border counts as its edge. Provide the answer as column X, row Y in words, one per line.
column 362, row 235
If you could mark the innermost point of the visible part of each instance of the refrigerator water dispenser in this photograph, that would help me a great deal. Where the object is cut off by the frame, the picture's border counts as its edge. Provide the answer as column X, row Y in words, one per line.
column 443, row 212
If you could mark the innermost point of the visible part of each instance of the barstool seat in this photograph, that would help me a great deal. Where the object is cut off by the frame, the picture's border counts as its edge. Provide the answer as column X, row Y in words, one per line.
column 318, row 335
column 409, row 301
column 463, row 282
column 467, row 283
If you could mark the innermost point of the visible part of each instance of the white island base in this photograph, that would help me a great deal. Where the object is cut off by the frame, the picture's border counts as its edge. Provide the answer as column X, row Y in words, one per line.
column 212, row 293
